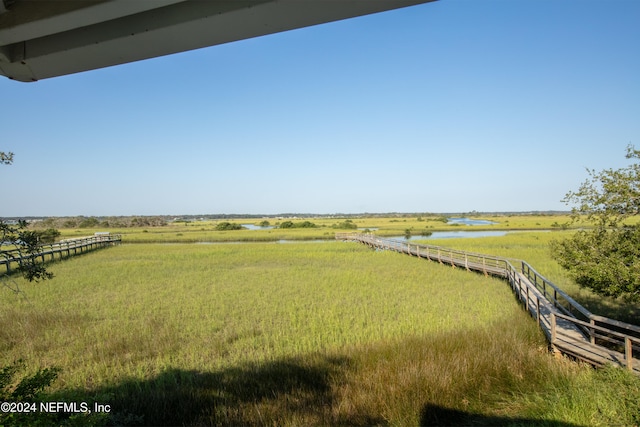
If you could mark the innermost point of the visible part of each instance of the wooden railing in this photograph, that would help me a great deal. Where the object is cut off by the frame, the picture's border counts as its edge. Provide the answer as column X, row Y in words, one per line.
column 582, row 334
column 13, row 258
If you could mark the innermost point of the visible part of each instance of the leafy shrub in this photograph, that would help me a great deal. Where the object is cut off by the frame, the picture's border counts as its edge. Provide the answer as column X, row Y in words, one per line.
column 605, row 261
column 50, row 235
column 226, row 226
column 303, row 224
column 27, row 390
column 27, row 243
column 346, row 225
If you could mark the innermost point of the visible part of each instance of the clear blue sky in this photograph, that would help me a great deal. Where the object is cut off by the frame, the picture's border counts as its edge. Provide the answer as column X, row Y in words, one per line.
column 452, row 106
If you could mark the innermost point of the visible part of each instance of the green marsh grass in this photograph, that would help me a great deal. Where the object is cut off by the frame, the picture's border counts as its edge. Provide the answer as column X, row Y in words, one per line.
column 295, row 334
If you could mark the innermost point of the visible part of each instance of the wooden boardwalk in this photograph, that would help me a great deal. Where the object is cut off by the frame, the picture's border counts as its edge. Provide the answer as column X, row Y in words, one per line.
column 570, row 328
column 11, row 259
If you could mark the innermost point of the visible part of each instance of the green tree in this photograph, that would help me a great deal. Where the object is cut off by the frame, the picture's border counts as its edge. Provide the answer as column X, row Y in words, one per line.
column 345, row 225
column 407, row 233
column 18, row 241
column 606, row 257
column 48, row 236
column 226, row 226
column 13, row 387
column 305, row 224
column 27, row 389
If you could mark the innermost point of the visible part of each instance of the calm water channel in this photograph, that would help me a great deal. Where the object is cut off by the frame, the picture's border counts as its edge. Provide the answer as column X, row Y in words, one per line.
column 458, row 234
column 467, row 221
column 435, row 235
column 453, row 235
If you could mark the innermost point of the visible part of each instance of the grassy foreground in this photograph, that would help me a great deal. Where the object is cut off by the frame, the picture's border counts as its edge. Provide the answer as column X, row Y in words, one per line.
column 298, row 334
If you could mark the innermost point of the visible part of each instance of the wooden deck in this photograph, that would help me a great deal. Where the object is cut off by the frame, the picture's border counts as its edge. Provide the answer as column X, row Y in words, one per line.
column 570, row 328
column 11, row 259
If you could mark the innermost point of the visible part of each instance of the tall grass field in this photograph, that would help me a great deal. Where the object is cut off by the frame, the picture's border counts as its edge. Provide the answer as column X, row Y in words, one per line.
column 297, row 334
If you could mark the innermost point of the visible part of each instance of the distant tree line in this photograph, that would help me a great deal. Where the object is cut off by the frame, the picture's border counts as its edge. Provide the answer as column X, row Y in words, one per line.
column 100, row 222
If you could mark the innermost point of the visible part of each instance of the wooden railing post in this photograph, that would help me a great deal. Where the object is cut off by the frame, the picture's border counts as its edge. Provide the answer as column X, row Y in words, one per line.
column 628, row 353
column 519, row 288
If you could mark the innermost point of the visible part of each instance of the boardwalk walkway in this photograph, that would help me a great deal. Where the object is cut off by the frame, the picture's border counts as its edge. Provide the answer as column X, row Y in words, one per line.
column 11, row 259
column 570, row 328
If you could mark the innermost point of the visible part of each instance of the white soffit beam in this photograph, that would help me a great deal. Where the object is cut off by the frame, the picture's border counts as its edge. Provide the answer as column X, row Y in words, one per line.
column 78, row 37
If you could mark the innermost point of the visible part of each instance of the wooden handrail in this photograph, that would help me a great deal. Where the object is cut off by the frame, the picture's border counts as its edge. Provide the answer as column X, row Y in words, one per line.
column 597, row 328
column 16, row 256
column 623, row 340
column 533, row 275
